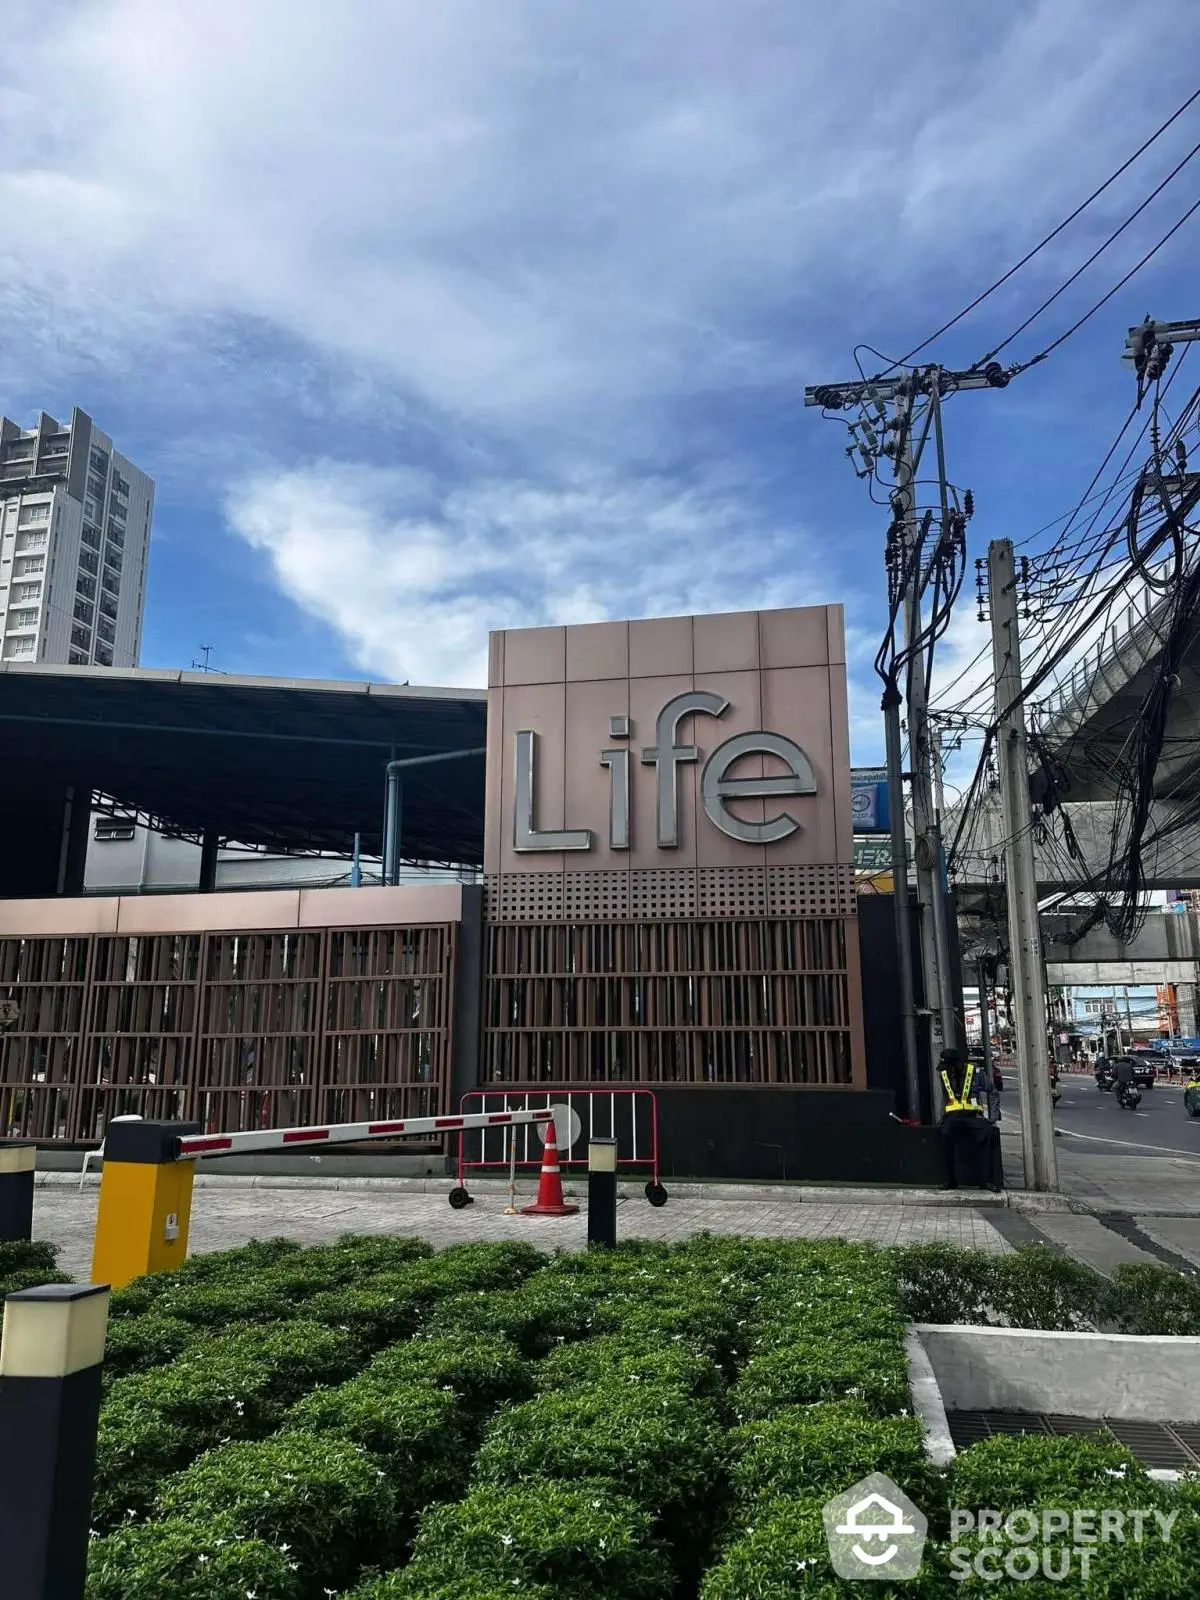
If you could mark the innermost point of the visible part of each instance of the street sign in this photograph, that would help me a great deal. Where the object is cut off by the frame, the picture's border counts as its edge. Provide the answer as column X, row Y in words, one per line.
column 869, row 800
column 872, row 855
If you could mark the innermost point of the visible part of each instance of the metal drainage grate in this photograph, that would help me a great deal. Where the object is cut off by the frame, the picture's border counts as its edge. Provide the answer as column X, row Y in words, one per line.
column 1155, row 1444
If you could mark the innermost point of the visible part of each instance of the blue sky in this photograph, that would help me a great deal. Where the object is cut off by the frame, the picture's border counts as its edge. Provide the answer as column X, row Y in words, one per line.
column 430, row 319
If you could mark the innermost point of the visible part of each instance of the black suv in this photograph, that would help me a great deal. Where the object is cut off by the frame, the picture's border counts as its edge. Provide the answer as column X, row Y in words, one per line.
column 1145, row 1066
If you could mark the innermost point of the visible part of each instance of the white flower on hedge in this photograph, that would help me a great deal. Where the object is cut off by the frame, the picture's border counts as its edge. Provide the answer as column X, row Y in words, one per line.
column 506, row 1540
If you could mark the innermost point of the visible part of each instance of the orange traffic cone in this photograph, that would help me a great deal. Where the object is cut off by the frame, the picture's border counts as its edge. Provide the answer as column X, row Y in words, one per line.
column 549, row 1202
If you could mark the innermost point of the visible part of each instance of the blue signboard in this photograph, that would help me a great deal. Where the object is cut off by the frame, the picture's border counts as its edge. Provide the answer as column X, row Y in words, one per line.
column 869, row 800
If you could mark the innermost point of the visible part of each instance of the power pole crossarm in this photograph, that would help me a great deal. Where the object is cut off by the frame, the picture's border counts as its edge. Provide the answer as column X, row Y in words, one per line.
column 1024, row 936
column 838, row 396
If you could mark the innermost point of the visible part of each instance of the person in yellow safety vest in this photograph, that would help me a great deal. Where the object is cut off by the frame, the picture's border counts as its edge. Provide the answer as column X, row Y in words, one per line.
column 961, row 1097
column 971, row 1142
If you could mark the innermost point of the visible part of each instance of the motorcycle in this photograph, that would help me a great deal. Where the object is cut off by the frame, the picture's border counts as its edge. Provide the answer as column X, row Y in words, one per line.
column 1129, row 1096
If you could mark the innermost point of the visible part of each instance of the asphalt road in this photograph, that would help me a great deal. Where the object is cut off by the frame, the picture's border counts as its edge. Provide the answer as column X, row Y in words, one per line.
column 1092, row 1120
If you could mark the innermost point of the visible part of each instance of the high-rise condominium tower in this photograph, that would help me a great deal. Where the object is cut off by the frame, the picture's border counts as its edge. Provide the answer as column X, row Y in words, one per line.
column 74, row 537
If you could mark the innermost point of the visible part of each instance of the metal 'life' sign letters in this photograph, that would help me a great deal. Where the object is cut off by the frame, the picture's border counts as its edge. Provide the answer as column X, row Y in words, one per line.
column 666, row 755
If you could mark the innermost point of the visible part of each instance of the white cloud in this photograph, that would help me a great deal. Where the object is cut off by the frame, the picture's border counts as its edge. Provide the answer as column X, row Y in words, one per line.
column 551, row 230
column 532, row 213
column 415, row 578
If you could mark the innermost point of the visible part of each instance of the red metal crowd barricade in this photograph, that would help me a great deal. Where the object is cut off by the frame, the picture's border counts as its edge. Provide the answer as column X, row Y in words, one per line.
column 630, row 1116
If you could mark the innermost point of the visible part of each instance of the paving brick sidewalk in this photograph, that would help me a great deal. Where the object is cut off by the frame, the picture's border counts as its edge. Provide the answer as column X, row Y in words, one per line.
column 225, row 1217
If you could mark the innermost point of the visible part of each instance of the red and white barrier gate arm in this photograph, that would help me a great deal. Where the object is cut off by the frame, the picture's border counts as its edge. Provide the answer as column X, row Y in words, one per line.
column 228, row 1144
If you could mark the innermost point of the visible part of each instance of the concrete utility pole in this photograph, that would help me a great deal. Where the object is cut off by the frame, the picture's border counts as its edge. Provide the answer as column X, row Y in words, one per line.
column 904, row 505
column 1024, row 934
column 912, row 394
column 939, row 888
column 928, row 888
column 900, row 904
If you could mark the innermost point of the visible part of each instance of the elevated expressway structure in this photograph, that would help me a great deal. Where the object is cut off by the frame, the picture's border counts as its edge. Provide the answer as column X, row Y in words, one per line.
column 1085, row 728
column 1087, row 723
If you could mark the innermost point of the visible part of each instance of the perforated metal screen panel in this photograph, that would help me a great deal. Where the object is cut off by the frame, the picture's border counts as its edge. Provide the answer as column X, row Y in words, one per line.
column 668, row 893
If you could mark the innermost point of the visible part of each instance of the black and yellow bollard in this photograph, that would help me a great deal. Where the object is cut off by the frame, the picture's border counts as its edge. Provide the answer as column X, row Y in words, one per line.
column 145, row 1201
column 602, row 1192
column 50, row 1364
column 17, row 1163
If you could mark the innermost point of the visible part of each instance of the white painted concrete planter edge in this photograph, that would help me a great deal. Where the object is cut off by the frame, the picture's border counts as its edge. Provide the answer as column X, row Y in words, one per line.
column 1121, row 1375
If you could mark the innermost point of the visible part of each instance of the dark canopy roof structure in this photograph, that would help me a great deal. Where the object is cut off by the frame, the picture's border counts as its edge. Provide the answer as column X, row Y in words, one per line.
column 287, row 764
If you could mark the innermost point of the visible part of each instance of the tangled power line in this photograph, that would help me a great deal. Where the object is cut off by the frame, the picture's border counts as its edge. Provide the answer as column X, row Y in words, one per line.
column 1129, row 537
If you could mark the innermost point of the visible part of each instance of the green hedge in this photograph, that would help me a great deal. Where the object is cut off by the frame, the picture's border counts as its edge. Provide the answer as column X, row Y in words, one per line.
column 321, row 1499
column 817, row 1451
column 634, row 1256
column 537, row 1316
column 1035, row 1287
column 29, row 1278
column 409, row 1585
column 1077, row 1474
column 26, row 1263
column 244, row 1262
column 138, row 1344
column 376, row 1314
column 823, row 1369
column 417, row 1433
column 18, row 1256
column 1006, row 1472
column 698, row 1320
column 381, row 1252
column 236, row 1386
column 573, row 1541
column 640, row 1408
column 176, row 1558
column 497, row 1265
column 661, row 1448
column 784, row 1556
column 1148, row 1299
column 484, row 1371
column 626, row 1356
column 794, row 1311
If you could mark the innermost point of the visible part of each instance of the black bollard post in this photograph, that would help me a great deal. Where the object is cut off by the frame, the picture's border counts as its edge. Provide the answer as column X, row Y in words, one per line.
column 602, row 1192
column 51, row 1359
column 17, row 1163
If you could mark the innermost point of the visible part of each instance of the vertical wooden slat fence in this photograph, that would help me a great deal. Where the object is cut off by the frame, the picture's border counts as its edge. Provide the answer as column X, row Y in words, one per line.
column 688, row 978
column 249, row 1029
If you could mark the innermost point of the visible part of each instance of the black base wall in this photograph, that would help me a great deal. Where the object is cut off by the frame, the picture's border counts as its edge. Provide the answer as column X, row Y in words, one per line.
column 793, row 1135
column 881, row 997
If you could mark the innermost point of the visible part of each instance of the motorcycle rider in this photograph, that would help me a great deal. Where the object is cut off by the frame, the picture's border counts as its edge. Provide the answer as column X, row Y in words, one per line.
column 1124, row 1076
